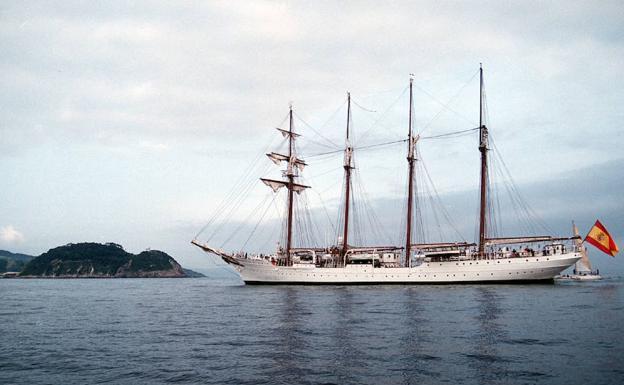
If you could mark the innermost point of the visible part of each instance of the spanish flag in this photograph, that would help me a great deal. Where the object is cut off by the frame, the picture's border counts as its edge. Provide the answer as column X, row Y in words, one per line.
column 600, row 237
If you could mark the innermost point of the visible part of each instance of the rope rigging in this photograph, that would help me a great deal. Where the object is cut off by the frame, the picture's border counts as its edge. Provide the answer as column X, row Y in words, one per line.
column 498, row 174
column 330, row 143
column 445, row 106
column 243, row 180
column 452, row 134
column 432, row 220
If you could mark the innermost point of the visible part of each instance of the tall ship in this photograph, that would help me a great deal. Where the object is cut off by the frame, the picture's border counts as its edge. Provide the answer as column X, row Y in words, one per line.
column 523, row 258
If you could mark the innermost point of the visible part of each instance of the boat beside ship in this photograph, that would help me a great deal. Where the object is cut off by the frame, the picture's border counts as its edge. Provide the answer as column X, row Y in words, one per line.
column 582, row 268
column 490, row 259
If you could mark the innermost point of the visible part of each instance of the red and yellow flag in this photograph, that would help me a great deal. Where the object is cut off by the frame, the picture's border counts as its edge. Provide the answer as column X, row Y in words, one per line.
column 600, row 237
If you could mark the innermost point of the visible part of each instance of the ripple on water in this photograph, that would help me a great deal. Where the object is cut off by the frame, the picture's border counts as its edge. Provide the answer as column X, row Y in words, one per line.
column 187, row 332
column 532, row 341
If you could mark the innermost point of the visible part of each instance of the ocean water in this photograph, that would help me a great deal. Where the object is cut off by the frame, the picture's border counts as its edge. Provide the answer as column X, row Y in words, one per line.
column 202, row 331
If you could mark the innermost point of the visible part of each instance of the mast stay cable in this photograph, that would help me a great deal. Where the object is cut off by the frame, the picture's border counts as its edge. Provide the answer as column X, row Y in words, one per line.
column 376, row 145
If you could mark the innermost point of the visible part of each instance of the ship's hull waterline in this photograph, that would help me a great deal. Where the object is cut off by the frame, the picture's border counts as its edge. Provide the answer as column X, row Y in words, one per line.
column 542, row 268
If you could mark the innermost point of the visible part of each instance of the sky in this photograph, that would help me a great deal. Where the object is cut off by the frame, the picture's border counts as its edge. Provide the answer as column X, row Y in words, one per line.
column 130, row 122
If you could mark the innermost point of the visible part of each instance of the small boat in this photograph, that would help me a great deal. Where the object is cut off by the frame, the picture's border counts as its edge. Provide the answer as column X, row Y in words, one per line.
column 582, row 268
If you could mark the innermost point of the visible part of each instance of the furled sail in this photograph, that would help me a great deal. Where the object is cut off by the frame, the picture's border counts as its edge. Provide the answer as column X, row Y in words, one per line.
column 275, row 185
column 286, row 133
column 278, row 158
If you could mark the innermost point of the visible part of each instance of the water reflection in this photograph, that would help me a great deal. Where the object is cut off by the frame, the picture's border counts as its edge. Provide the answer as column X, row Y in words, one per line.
column 414, row 339
column 487, row 360
column 345, row 360
column 288, row 329
column 316, row 336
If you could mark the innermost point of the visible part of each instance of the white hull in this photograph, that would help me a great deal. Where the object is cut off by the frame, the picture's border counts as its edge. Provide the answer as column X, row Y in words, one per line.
column 256, row 271
column 580, row 277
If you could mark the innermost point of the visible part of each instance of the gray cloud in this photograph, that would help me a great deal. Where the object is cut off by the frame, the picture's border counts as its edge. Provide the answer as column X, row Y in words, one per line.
column 192, row 70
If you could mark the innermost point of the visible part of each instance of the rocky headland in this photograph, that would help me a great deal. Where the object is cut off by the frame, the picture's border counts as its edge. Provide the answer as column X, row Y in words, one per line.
column 97, row 260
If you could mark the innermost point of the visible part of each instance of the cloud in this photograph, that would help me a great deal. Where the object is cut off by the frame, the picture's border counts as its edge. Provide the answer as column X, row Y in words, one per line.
column 203, row 69
column 152, row 146
column 8, row 234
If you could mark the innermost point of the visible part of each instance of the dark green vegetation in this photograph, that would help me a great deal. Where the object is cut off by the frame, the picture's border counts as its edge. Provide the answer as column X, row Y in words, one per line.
column 13, row 261
column 95, row 260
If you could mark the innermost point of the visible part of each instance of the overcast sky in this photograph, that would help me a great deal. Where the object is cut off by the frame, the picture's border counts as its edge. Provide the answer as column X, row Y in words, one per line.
column 130, row 122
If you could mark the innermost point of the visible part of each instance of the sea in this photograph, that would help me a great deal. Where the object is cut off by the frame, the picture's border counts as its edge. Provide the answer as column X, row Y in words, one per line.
column 218, row 331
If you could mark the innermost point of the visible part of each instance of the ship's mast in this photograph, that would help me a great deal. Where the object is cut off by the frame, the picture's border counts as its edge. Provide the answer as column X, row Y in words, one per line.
column 483, row 142
column 293, row 163
column 347, row 167
column 410, row 183
column 290, row 174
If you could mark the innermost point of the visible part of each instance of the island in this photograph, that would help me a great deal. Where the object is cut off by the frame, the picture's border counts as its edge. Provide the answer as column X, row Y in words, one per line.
column 97, row 260
column 13, row 262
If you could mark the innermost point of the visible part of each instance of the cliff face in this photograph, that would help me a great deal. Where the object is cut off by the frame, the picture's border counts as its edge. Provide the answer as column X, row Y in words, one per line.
column 95, row 260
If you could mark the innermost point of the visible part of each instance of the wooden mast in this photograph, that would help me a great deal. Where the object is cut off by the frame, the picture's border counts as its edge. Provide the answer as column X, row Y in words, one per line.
column 347, row 168
column 290, row 173
column 410, row 183
column 483, row 141
column 293, row 165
